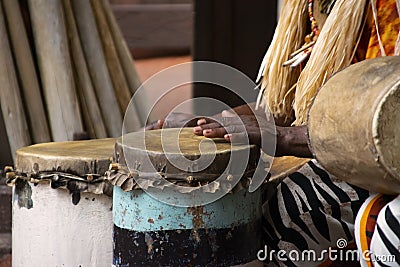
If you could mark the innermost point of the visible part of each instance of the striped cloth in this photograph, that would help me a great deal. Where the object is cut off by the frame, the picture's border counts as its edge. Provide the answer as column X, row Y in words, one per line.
column 310, row 210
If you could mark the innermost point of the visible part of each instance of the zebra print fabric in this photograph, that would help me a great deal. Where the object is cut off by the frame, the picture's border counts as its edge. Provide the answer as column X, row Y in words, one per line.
column 310, row 210
column 383, row 243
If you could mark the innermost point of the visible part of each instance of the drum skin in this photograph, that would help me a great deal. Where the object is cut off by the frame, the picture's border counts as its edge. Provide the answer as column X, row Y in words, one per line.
column 149, row 232
column 354, row 125
column 50, row 226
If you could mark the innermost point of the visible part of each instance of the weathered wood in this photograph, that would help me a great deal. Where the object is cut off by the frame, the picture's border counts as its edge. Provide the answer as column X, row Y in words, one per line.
column 116, row 73
column 90, row 108
column 124, row 54
column 10, row 97
column 114, row 67
column 127, row 62
column 96, row 61
column 55, row 68
column 5, row 155
column 27, row 73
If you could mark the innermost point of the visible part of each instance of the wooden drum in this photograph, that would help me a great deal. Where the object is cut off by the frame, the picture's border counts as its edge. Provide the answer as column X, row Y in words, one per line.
column 164, row 209
column 354, row 125
column 62, row 204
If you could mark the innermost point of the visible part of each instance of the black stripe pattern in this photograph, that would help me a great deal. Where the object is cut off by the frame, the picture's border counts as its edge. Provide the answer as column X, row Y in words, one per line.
column 311, row 209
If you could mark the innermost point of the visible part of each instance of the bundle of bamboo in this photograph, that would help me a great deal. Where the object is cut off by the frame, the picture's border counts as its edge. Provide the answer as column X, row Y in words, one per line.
column 65, row 70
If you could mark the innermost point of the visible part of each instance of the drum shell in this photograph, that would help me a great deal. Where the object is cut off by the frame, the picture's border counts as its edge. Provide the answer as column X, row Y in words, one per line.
column 354, row 125
column 54, row 232
column 51, row 225
column 222, row 231
column 148, row 232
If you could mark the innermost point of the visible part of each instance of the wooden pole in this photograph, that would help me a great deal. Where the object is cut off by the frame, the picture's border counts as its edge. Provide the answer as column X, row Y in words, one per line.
column 10, row 97
column 27, row 73
column 55, row 68
column 116, row 73
column 89, row 105
column 126, row 60
column 121, row 88
column 94, row 54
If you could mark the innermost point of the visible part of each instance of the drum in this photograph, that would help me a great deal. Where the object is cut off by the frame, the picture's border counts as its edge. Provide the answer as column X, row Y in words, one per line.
column 354, row 125
column 62, row 204
column 182, row 200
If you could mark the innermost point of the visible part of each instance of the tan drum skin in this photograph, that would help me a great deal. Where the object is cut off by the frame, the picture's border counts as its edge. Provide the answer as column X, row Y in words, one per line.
column 354, row 125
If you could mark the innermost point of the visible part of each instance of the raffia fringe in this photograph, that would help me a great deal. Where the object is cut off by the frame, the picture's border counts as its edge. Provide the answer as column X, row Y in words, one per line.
column 332, row 52
column 277, row 81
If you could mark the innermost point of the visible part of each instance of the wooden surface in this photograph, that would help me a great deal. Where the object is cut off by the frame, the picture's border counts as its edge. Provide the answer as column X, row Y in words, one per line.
column 111, row 56
column 31, row 92
column 89, row 105
column 126, row 61
column 55, row 66
column 284, row 166
column 10, row 97
column 96, row 61
column 120, row 84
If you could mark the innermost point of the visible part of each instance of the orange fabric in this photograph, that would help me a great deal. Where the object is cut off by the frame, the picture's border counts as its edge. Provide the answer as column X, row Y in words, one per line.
column 363, row 225
column 389, row 27
column 338, row 263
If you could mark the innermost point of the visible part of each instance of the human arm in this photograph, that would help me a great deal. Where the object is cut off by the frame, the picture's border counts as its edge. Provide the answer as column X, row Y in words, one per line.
column 254, row 125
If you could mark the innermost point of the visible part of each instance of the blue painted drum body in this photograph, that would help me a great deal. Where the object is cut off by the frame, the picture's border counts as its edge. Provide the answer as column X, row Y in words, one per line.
column 149, row 232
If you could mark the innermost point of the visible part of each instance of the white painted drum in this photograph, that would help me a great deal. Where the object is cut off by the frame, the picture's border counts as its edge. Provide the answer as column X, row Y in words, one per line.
column 62, row 205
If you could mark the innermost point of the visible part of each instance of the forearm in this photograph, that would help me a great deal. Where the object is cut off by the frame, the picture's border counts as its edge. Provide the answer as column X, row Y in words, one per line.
column 292, row 141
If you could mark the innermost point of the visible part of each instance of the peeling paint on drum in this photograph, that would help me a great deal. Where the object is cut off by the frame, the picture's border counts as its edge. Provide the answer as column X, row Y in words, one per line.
column 54, row 232
column 147, row 232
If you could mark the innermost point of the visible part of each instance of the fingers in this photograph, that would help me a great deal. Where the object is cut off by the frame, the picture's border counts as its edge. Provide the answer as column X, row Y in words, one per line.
column 217, row 129
column 155, row 125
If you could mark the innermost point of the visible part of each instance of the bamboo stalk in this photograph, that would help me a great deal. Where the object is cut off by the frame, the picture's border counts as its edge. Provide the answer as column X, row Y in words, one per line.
column 127, row 62
column 116, row 73
column 27, row 73
column 94, row 54
column 10, row 97
column 89, row 105
column 55, row 66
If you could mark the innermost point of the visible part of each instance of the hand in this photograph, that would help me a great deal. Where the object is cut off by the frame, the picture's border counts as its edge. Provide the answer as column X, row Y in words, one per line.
column 173, row 120
column 257, row 129
column 240, row 129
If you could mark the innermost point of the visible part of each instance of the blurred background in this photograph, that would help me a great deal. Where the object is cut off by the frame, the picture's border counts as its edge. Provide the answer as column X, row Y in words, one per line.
column 163, row 33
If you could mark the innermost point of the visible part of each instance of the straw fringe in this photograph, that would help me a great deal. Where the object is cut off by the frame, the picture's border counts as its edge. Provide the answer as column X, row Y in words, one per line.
column 332, row 52
column 277, row 80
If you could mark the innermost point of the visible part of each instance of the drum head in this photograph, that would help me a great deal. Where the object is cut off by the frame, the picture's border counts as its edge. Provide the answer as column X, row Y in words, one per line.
column 180, row 152
column 75, row 157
